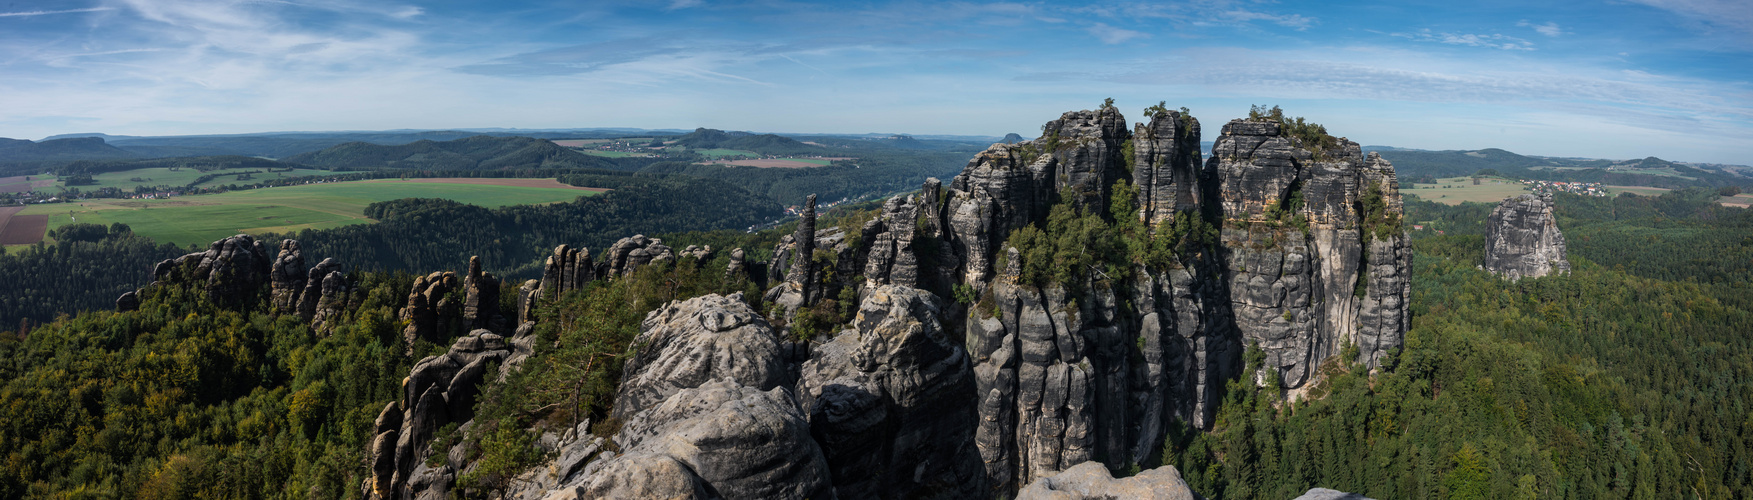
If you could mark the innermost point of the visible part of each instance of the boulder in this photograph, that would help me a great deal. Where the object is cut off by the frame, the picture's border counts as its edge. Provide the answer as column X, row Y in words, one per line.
column 723, row 438
column 1091, row 481
column 687, row 343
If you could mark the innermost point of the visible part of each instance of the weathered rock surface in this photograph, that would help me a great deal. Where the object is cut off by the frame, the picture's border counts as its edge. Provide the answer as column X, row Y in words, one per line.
column 286, row 277
column 129, row 301
column 232, row 270
column 1091, row 481
column 721, row 439
column 794, row 257
column 631, row 252
column 687, row 343
column 957, row 378
column 888, row 402
column 430, row 314
column 439, row 390
column 1327, row 494
column 1522, row 239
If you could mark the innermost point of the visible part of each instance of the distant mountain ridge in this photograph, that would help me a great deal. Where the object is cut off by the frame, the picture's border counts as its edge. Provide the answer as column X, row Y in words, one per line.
column 17, row 151
column 1650, row 171
column 471, row 153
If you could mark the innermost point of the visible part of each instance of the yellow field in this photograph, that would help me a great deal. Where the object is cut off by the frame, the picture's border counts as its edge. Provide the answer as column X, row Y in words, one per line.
column 1455, row 190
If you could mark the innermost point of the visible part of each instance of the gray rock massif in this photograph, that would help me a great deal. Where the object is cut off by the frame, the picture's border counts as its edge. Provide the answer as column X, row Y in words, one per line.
column 1091, row 481
column 960, row 375
column 1522, row 239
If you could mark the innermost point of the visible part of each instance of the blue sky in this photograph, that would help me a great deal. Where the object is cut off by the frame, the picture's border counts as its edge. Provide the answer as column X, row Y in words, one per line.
column 1619, row 79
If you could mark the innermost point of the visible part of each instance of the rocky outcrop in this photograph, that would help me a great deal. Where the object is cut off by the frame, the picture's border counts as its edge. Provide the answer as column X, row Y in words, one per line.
column 1091, row 481
column 129, row 301
column 430, row 313
column 1327, row 494
column 1522, row 239
column 286, row 277
column 231, row 270
column 963, row 377
column 719, row 440
column 888, row 402
column 795, row 257
column 310, row 299
column 631, row 252
column 687, row 343
column 439, row 390
column 1306, row 226
column 481, row 299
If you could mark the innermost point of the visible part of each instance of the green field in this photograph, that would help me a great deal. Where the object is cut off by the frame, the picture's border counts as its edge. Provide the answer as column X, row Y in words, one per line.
column 182, row 177
column 1455, row 190
column 205, row 218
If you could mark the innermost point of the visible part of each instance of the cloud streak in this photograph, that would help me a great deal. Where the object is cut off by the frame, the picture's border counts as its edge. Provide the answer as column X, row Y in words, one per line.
column 52, row 12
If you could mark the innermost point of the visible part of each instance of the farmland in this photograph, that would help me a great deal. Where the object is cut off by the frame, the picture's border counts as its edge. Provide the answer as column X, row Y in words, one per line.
column 179, row 177
column 1454, row 190
column 201, row 219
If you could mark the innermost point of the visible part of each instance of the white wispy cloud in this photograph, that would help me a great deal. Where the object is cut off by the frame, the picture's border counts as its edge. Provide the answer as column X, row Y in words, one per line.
column 1549, row 28
column 1492, row 41
column 684, row 4
column 1111, row 35
column 49, row 12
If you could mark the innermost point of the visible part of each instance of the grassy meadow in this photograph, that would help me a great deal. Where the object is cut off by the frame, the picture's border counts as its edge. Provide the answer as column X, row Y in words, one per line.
column 202, row 219
column 1455, row 190
column 182, row 177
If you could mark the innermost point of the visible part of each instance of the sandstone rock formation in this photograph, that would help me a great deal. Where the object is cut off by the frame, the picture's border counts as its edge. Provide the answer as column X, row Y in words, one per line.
column 286, row 276
column 1091, row 481
column 888, row 402
column 439, row 390
column 1522, row 239
column 687, row 343
column 232, row 270
column 721, row 439
column 1327, row 494
column 634, row 251
column 962, row 376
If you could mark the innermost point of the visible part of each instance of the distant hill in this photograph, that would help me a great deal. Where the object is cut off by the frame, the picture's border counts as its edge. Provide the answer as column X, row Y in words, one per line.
column 471, row 153
column 84, row 148
column 1413, row 164
column 705, row 138
column 285, row 144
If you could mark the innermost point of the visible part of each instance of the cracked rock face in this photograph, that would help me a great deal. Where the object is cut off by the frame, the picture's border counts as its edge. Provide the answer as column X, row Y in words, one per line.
column 721, row 439
column 232, row 269
column 1522, row 239
column 888, row 402
column 1091, row 481
column 687, row 343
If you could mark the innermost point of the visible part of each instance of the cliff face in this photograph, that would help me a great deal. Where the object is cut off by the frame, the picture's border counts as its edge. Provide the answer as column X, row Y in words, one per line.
column 963, row 375
column 1522, row 239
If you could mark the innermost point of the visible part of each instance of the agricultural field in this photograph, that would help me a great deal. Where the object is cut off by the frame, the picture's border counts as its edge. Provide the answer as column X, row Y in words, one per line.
column 20, row 229
column 1455, row 190
column 25, row 183
column 204, row 218
column 1743, row 200
column 179, row 177
column 777, row 162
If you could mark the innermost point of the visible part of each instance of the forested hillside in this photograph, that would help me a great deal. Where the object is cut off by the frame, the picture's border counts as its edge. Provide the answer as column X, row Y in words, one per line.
column 470, row 153
column 873, row 173
column 1632, row 377
column 417, row 235
column 1653, row 172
